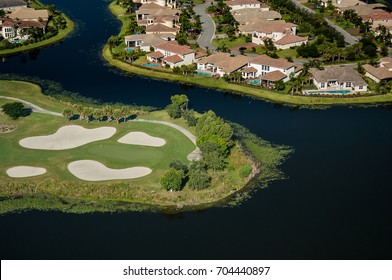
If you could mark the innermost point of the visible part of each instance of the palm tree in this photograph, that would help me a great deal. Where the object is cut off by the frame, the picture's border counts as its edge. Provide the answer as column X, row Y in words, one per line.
column 68, row 113
column 98, row 114
column 108, row 112
column 125, row 112
column 87, row 112
column 117, row 115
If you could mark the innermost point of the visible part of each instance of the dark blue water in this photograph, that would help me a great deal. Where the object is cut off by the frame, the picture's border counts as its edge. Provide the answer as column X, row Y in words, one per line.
column 335, row 204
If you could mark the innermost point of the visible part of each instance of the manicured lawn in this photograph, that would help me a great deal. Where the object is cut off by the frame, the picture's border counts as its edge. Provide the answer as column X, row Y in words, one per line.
column 288, row 52
column 229, row 42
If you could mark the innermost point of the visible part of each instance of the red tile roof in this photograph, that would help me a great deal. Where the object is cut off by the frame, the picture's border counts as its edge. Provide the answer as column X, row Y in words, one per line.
column 174, row 47
column 249, row 70
column 156, row 54
column 173, row 59
column 290, row 39
column 274, row 62
column 242, row 2
column 273, row 76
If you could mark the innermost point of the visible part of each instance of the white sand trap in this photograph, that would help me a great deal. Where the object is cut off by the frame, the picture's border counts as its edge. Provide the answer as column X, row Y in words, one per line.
column 25, row 171
column 141, row 138
column 68, row 137
column 91, row 170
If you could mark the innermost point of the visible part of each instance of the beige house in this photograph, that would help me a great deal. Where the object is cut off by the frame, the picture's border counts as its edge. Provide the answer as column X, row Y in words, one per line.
column 222, row 63
column 336, row 77
column 29, row 14
column 381, row 73
column 248, row 4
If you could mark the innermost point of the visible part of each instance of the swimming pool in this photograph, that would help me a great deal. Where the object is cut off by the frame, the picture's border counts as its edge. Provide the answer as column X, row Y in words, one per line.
column 130, row 49
column 334, row 91
column 151, row 64
column 202, row 73
column 254, row 82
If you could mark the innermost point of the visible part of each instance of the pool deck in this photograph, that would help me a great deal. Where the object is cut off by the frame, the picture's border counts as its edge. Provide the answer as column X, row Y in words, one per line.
column 329, row 91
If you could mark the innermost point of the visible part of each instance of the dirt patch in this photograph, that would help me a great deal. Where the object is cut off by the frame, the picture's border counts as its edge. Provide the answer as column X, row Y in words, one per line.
column 6, row 128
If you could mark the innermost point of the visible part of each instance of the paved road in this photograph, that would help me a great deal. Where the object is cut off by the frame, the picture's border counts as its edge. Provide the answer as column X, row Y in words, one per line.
column 196, row 154
column 208, row 27
column 348, row 38
column 33, row 107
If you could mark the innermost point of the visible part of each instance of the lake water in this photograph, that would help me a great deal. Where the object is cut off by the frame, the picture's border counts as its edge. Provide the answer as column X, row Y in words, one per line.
column 336, row 203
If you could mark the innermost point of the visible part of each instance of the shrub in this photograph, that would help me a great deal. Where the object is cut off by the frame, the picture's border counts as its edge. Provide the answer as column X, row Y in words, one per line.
column 14, row 110
column 245, row 171
column 172, row 180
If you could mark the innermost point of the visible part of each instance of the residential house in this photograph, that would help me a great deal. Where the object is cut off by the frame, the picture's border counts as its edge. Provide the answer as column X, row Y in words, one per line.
column 10, row 28
column 281, row 33
column 29, row 14
column 342, row 3
column 242, row 4
column 381, row 73
column 144, row 42
column 256, row 17
column 338, row 78
column 223, row 63
column 172, row 54
column 10, row 5
column 162, row 3
column 147, row 13
column 289, row 41
column 271, row 69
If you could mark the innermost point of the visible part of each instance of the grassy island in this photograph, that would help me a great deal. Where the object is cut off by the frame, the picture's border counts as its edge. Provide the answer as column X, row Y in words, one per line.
column 67, row 26
column 251, row 161
column 221, row 84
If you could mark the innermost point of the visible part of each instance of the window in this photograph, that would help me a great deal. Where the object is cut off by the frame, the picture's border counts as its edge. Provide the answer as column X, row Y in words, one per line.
column 322, row 85
column 348, row 84
column 360, row 87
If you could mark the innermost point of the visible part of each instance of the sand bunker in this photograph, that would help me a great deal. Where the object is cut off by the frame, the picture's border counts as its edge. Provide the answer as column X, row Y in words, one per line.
column 141, row 138
column 25, row 171
column 91, row 170
column 68, row 137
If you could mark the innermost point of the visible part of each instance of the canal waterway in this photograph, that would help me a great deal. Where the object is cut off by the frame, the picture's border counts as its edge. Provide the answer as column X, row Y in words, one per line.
column 335, row 204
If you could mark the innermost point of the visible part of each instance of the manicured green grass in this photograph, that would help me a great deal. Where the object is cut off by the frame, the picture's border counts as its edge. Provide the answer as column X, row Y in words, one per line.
column 61, row 35
column 31, row 93
column 229, row 42
column 288, row 52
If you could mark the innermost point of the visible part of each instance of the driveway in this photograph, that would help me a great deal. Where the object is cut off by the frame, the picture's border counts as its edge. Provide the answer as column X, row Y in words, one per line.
column 208, row 27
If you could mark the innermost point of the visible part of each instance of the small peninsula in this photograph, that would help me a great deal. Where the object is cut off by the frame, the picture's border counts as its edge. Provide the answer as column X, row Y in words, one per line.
column 306, row 66
column 93, row 158
column 29, row 25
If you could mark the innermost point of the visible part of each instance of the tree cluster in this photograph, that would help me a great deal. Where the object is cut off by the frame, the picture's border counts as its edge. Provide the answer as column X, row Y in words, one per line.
column 107, row 112
column 226, row 21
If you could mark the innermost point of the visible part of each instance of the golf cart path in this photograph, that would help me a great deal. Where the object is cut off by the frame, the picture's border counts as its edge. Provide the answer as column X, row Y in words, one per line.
column 33, row 107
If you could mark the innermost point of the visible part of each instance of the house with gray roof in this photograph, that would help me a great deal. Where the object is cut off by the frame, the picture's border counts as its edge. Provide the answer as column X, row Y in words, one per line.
column 338, row 77
column 10, row 5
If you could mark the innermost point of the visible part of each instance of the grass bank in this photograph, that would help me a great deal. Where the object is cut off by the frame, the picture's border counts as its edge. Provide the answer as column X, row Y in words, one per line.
column 60, row 36
column 220, row 84
column 58, row 189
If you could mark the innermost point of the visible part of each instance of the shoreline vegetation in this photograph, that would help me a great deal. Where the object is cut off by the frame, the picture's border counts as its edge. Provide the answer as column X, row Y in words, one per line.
column 252, row 163
column 221, row 85
column 62, row 34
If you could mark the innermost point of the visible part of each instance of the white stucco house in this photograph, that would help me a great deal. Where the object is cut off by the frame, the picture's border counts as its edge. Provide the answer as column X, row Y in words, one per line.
column 172, row 54
column 338, row 77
